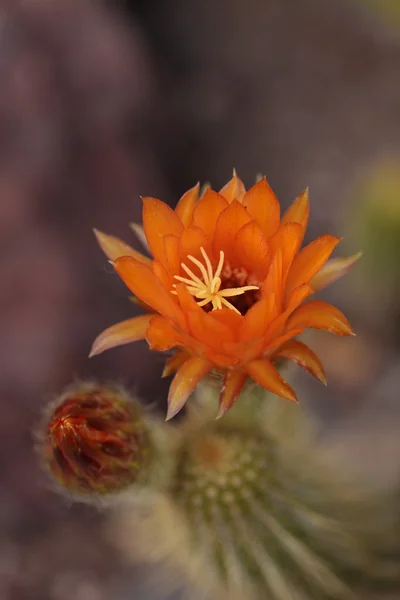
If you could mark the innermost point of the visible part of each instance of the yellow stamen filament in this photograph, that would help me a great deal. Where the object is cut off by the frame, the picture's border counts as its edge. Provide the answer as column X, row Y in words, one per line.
column 209, row 290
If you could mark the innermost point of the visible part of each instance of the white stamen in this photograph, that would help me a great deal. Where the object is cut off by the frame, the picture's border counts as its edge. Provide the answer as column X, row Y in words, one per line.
column 209, row 290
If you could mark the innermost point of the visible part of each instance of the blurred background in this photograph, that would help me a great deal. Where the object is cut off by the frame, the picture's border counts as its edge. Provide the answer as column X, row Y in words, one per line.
column 103, row 101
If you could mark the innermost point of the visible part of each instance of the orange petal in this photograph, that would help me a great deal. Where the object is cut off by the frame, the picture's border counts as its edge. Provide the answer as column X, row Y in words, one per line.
column 185, row 298
column 258, row 317
column 228, row 317
column 161, row 335
column 228, row 224
column 159, row 220
column 273, row 282
column 125, row 332
column 295, row 299
column 298, row 296
column 234, row 381
column 162, row 274
column 113, row 247
column 186, row 379
column 309, row 261
column 173, row 363
column 288, row 238
column 171, row 244
column 264, row 373
column 332, row 270
column 207, row 211
column 141, row 280
column 320, row 315
column 263, row 205
column 219, row 360
column 252, row 250
column 190, row 242
column 244, row 352
column 298, row 212
column 234, row 189
column 304, row 357
column 208, row 330
column 277, row 342
column 185, row 207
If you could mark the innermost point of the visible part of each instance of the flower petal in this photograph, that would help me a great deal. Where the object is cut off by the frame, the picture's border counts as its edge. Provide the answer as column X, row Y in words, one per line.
column 228, row 317
column 264, row 373
column 113, row 247
column 186, row 379
column 244, row 352
column 258, row 317
column 121, row 333
column 234, row 189
column 228, row 224
column 263, row 205
column 277, row 342
column 310, row 260
column 304, row 357
column 161, row 335
column 185, row 298
column 298, row 296
column 185, row 207
column 252, row 250
column 273, row 282
column 207, row 211
column 141, row 280
column 277, row 326
column 234, row 381
column 288, row 238
column 171, row 244
column 332, row 270
column 173, row 363
column 219, row 360
column 208, row 330
column 162, row 275
column 298, row 212
column 320, row 315
column 159, row 220
column 190, row 242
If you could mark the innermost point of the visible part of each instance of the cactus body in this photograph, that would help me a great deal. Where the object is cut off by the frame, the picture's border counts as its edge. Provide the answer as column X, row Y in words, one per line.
column 250, row 515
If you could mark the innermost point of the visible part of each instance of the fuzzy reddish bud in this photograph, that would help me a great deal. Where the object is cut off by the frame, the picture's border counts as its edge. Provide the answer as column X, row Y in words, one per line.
column 95, row 440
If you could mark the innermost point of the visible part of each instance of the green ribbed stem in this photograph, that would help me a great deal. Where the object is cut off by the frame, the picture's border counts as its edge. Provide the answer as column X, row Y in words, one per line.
column 270, row 531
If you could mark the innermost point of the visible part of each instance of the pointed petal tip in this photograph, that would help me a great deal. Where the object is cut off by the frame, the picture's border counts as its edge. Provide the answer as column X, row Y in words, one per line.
column 92, row 352
column 172, row 412
column 221, row 412
column 343, row 328
column 291, row 395
column 97, row 347
column 100, row 236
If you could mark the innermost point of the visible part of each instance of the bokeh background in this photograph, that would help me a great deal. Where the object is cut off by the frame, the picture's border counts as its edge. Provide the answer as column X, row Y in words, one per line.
column 103, row 101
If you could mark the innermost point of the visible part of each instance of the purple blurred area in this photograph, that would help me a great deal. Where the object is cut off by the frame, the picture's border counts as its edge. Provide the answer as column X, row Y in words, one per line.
column 101, row 102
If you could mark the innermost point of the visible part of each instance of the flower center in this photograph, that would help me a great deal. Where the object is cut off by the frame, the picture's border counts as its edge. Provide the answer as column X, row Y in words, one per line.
column 208, row 290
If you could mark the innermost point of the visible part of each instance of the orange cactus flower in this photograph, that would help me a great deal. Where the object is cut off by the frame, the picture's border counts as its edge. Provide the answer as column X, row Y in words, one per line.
column 226, row 288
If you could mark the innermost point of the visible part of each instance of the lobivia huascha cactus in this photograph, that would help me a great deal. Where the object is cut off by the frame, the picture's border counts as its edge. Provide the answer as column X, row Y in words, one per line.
column 252, row 511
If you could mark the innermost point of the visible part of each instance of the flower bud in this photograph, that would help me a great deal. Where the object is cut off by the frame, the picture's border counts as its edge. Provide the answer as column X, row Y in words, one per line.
column 95, row 440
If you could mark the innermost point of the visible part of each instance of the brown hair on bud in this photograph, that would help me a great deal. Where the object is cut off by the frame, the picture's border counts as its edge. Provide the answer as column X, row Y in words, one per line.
column 95, row 440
